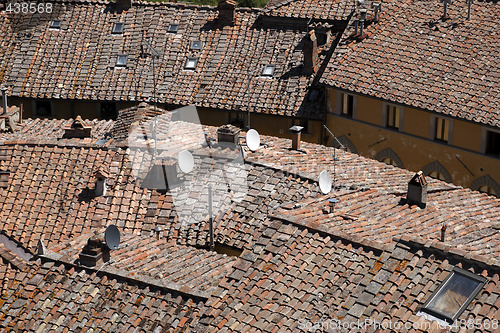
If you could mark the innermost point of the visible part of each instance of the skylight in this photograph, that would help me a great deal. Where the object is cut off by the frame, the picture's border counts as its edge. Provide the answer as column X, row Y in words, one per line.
column 121, row 61
column 454, row 295
column 118, row 28
column 173, row 28
column 268, row 70
column 196, row 45
column 56, row 24
column 191, row 63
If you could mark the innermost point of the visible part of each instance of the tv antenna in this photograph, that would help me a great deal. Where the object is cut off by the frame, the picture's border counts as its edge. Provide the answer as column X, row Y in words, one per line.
column 154, row 54
column 185, row 161
column 344, row 148
column 253, row 140
column 112, row 237
column 325, row 182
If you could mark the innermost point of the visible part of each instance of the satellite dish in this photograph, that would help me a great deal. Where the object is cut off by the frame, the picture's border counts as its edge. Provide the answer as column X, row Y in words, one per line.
column 253, row 140
column 112, row 237
column 185, row 161
column 325, row 182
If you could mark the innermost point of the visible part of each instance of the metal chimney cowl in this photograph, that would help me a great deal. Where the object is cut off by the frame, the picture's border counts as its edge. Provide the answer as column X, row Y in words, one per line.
column 417, row 190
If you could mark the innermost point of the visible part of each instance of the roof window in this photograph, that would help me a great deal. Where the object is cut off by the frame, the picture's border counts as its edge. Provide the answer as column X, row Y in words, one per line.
column 268, row 70
column 55, row 24
column 118, row 28
column 454, row 295
column 196, row 45
column 191, row 63
column 121, row 61
column 173, row 28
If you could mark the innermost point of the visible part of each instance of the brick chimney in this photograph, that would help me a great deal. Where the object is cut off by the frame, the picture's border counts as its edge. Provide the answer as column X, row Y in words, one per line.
column 296, row 130
column 124, row 4
column 77, row 129
column 417, row 190
column 228, row 134
column 310, row 53
column 227, row 11
column 94, row 252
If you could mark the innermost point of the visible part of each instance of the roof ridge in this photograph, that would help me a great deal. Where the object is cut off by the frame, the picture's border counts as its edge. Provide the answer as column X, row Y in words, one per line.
column 12, row 258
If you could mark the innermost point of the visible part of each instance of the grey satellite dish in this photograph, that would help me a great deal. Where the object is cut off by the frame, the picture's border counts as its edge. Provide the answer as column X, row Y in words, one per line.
column 253, row 140
column 185, row 161
column 112, row 237
column 325, row 182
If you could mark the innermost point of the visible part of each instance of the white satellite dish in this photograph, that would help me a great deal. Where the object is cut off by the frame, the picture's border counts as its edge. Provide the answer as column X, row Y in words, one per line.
column 325, row 182
column 185, row 161
column 253, row 140
column 112, row 237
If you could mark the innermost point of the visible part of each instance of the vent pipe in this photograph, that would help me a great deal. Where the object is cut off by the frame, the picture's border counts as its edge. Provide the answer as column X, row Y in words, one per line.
column 210, row 219
column 443, row 232
column 376, row 7
column 362, row 21
column 296, row 130
column 4, row 100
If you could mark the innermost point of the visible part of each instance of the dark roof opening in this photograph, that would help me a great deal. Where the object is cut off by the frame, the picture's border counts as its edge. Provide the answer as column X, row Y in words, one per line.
column 55, row 24
column 118, row 28
column 121, row 61
column 173, row 28
column 454, row 295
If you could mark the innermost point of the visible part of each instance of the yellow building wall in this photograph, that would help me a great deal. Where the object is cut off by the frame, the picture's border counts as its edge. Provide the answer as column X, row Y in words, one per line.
column 369, row 110
column 412, row 145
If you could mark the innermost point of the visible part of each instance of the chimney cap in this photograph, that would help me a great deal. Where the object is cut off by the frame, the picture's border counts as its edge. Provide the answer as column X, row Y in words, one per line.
column 296, row 128
column 4, row 89
column 419, row 179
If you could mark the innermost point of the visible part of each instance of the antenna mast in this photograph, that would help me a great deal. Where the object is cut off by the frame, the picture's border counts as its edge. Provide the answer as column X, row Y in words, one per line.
column 335, row 155
column 155, row 54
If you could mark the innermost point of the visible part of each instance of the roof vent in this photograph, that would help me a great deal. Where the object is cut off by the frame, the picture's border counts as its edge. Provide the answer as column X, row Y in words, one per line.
column 417, row 190
column 310, row 53
column 227, row 11
column 77, row 129
column 228, row 134
column 101, row 186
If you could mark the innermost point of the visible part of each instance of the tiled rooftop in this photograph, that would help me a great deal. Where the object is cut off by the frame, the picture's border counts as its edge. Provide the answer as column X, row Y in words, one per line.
column 415, row 58
column 317, row 9
column 71, row 63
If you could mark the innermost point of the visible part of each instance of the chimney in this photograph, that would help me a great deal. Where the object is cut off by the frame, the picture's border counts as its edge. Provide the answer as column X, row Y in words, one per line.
column 94, row 252
column 228, row 134
column 227, row 11
column 4, row 100
column 417, row 190
column 77, row 129
column 310, row 53
column 296, row 136
column 376, row 8
column 362, row 20
column 101, row 185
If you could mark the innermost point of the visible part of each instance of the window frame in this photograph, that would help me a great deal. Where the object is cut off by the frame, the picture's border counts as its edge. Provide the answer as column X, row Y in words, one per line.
column 267, row 67
column 119, row 64
column 341, row 104
column 450, row 320
column 447, row 134
column 200, row 43
column 496, row 154
column 173, row 28
column 386, row 113
column 191, row 68
column 55, row 26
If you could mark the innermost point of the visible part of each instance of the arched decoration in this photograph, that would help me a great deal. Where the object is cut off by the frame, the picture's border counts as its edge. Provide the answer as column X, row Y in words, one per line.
column 347, row 143
column 437, row 170
column 486, row 184
column 388, row 156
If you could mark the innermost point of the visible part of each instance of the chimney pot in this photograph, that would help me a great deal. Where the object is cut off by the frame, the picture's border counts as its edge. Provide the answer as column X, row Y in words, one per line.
column 417, row 190
column 296, row 131
column 227, row 11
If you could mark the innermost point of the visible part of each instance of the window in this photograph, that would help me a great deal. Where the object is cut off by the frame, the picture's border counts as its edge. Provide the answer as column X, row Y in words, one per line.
column 487, row 189
column 454, row 295
column 173, row 28
column 236, row 119
column 108, row 111
column 121, row 61
column 56, row 24
column 117, row 28
column 436, row 175
column 346, row 104
column 268, row 70
column 442, row 129
column 191, row 63
column 196, row 45
column 43, row 108
column 492, row 143
column 393, row 114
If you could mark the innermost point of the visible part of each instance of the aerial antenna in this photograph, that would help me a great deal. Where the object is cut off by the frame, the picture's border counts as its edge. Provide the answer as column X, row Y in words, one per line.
column 469, row 4
column 210, row 219
column 253, row 140
column 155, row 54
column 445, row 8
column 185, row 161
column 112, row 237
column 325, row 182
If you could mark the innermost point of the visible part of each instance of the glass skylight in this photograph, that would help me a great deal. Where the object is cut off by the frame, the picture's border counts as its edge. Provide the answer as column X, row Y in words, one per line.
column 191, row 63
column 173, row 28
column 118, row 28
column 454, row 295
column 268, row 70
column 196, row 45
column 56, row 24
column 121, row 61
